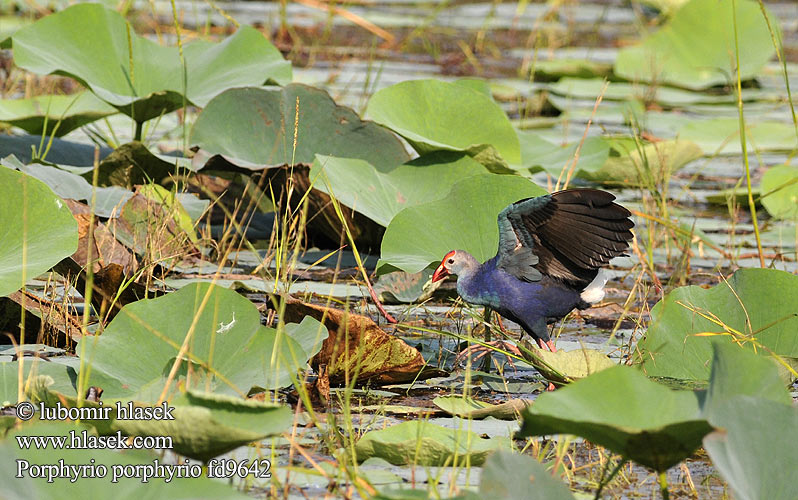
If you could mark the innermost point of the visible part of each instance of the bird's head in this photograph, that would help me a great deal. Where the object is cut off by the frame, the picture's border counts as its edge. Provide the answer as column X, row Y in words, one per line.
column 454, row 262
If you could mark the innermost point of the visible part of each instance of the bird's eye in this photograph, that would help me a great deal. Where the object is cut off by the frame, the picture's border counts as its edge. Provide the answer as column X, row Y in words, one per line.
column 450, row 261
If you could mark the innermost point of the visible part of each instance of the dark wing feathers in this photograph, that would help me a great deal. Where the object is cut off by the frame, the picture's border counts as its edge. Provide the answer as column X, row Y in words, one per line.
column 571, row 234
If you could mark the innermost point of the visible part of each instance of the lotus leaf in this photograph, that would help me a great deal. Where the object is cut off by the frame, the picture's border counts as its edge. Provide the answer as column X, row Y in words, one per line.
column 754, row 447
column 140, row 78
column 693, row 49
column 465, row 219
column 621, row 409
column 381, row 195
column 60, row 114
column 780, row 190
column 422, row 443
column 254, row 128
column 758, row 301
column 38, row 229
column 230, row 351
column 433, row 115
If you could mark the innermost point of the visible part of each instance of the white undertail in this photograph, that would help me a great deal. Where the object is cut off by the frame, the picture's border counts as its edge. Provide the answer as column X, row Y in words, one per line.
column 595, row 290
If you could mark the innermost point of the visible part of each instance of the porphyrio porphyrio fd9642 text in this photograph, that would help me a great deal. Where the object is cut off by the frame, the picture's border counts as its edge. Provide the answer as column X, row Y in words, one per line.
column 551, row 249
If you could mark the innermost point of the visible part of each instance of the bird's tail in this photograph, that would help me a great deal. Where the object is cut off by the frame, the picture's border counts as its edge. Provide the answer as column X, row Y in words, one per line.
column 595, row 290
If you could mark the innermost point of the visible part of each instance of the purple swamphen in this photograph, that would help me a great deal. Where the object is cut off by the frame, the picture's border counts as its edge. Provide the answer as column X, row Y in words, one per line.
column 551, row 251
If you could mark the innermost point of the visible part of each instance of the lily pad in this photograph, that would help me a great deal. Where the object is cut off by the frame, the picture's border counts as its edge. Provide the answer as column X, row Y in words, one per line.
column 754, row 449
column 97, row 485
column 629, row 163
column 621, row 409
column 421, row 443
column 565, row 366
column 722, row 135
column 765, row 299
column 230, row 351
column 139, row 77
column 511, row 476
column 61, row 152
column 738, row 372
column 693, row 49
column 780, row 187
column 472, row 408
column 538, row 153
column 381, row 195
column 433, row 115
column 465, row 219
column 63, row 113
column 38, row 229
column 253, row 128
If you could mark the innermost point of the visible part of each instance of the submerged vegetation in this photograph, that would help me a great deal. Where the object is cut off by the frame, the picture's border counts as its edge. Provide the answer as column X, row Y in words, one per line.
column 240, row 224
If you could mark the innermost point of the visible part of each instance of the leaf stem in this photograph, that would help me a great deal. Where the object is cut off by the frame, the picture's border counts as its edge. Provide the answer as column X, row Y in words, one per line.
column 743, row 141
column 663, row 485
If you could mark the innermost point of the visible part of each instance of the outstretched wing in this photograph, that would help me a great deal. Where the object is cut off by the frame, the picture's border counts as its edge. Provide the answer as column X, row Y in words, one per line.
column 568, row 235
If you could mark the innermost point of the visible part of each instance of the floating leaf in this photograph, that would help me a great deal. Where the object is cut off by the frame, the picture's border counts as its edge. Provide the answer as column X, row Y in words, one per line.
column 433, row 115
column 767, row 298
column 511, row 476
column 421, row 443
column 381, row 195
column 629, row 163
column 230, row 351
column 465, row 219
column 143, row 79
column 692, row 49
column 754, row 448
column 538, row 153
column 722, row 135
column 738, row 372
column 780, row 187
column 471, row 408
column 254, row 128
column 59, row 152
column 132, row 163
column 38, row 229
column 572, row 365
column 620, row 409
column 63, row 113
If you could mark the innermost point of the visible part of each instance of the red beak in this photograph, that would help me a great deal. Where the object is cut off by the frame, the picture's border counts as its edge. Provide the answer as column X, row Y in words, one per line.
column 440, row 273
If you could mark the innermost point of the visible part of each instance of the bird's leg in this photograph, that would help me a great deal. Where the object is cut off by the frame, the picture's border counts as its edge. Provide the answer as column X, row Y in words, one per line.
column 486, row 362
column 548, row 345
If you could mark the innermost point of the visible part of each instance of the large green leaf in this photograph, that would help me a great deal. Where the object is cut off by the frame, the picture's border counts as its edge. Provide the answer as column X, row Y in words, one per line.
column 230, row 351
column 66, row 112
column 254, row 128
column 722, row 135
column 381, row 195
column 751, row 300
column 97, row 485
column 780, row 185
column 644, row 163
column 621, row 409
column 142, row 79
column 696, row 48
column 538, row 153
column 422, row 443
column 434, row 115
column 754, row 448
column 738, row 372
column 38, row 229
column 512, row 476
column 465, row 219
